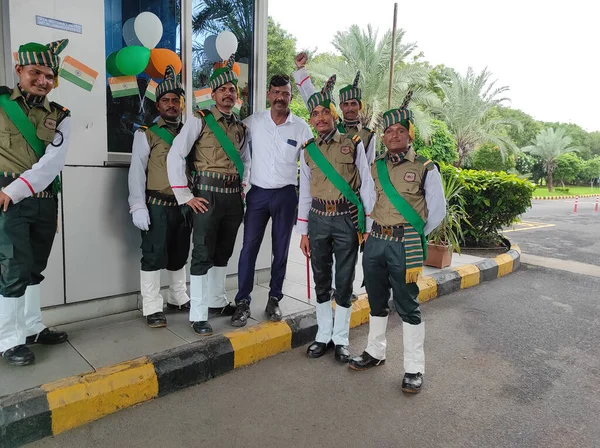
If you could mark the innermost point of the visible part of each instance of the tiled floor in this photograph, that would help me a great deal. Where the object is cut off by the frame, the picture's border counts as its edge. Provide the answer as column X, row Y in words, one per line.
column 108, row 340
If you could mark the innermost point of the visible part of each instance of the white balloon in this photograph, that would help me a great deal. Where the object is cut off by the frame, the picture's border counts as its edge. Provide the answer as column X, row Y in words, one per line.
column 129, row 33
column 226, row 44
column 148, row 29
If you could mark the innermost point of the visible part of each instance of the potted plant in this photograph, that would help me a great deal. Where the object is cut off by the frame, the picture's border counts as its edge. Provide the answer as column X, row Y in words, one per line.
column 447, row 237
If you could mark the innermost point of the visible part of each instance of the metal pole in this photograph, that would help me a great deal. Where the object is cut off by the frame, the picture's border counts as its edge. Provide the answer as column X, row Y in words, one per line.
column 392, row 56
column 187, row 57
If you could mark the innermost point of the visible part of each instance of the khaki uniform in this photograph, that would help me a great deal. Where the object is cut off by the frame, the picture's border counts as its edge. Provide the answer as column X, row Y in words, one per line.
column 24, row 249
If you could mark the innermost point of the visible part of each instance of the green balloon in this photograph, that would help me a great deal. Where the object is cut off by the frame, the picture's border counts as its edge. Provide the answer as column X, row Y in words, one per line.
column 111, row 65
column 132, row 61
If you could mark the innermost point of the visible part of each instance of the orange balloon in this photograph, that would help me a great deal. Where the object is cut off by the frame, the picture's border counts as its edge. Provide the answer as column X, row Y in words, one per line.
column 236, row 67
column 160, row 58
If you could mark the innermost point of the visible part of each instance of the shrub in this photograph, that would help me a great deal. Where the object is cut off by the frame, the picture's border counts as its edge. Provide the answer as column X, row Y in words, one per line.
column 492, row 201
column 442, row 147
column 489, row 157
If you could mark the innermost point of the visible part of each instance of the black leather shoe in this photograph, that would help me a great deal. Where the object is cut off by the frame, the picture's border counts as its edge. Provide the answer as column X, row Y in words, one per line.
column 48, row 337
column 412, row 383
column 241, row 315
column 364, row 362
column 156, row 320
column 317, row 349
column 273, row 311
column 353, row 298
column 19, row 356
column 342, row 354
column 185, row 307
column 227, row 310
column 202, row 328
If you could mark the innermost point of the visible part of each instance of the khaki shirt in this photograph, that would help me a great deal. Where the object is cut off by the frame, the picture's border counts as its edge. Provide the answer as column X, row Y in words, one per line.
column 408, row 178
column 16, row 156
column 158, row 180
column 208, row 154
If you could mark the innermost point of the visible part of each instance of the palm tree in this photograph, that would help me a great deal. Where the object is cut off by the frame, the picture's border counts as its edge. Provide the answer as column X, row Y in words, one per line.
column 468, row 101
column 362, row 50
column 549, row 145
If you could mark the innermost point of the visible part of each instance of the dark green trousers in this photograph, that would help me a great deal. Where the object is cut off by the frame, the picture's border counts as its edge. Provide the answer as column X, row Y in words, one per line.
column 27, row 231
column 384, row 269
column 333, row 235
column 215, row 230
column 167, row 244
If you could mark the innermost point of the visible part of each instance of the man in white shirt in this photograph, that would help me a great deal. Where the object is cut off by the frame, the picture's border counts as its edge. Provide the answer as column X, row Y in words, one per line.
column 276, row 137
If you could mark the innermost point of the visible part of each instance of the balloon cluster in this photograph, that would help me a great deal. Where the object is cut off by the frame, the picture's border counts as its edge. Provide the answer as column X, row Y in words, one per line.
column 218, row 48
column 141, row 35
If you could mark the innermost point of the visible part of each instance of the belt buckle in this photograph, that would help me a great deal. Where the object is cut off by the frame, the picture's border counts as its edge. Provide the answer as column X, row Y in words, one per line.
column 330, row 208
column 387, row 231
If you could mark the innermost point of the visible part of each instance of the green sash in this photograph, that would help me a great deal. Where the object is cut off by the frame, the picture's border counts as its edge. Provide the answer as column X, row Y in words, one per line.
column 400, row 204
column 338, row 181
column 27, row 130
column 226, row 143
column 341, row 128
column 163, row 134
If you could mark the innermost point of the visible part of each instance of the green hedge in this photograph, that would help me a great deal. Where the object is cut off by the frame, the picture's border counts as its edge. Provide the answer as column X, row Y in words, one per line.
column 493, row 200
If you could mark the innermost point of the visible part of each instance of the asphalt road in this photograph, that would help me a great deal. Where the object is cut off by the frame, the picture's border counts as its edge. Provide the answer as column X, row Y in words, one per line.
column 573, row 236
column 511, row 363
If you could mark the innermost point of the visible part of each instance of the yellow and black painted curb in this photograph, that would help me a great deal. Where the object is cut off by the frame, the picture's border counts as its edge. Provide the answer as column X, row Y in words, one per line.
column 550, row 198
column 56, row 407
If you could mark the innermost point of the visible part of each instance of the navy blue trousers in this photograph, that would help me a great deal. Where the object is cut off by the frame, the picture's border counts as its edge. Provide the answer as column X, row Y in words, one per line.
column 278, row 204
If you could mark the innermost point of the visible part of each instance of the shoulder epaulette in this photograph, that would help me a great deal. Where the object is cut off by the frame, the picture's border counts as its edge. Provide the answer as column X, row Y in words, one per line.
column 356, row 139
column 143, row 128
column 5, row 90
column 429, row 164
column 66, row 111
column 308, row 142
column 367, row 129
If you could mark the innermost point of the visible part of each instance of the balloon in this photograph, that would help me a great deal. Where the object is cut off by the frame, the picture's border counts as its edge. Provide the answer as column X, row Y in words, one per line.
column 226, row 44
column 129, row 35
column 148, row 29
column 111, row 65
column 159, row 59
column 210, row 49
column 132, row 61
column 235, row 68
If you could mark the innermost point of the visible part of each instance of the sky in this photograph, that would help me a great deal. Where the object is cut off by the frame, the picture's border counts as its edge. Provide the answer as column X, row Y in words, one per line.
column 546, row 52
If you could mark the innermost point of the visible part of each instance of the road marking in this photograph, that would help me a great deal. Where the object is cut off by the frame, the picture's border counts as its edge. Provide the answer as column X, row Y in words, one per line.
column 529, row 225
column 575, row 267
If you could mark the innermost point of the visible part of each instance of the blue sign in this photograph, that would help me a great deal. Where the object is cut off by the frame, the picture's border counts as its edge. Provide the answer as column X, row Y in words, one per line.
column 58, row 24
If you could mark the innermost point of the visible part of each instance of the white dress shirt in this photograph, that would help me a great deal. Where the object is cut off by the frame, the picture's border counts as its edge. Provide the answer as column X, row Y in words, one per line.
column 435, row 200
column 176, row 159
column 42, row 173
column 367, row 190
column 275, row 149
column 137, row 171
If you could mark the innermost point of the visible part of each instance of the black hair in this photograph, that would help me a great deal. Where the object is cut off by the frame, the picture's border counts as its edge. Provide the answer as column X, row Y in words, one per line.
column 279, row 81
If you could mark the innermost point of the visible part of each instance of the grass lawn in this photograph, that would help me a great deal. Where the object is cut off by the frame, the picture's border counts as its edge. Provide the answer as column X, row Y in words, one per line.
column 573, row 191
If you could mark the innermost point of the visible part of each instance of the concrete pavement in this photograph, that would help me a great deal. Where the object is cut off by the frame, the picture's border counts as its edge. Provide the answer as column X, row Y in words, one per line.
column 512, row 363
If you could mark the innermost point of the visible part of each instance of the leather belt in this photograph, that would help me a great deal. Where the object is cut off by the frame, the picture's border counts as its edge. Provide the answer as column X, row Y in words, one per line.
column 219, row 183
column 393, row 232
column 341, row 207
column 160, row 196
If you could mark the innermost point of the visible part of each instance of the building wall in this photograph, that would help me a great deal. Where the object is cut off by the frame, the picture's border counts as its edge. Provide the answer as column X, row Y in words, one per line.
column 96, row 251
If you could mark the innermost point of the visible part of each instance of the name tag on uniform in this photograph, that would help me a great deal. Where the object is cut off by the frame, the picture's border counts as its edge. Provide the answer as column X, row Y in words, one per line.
column 293, row 143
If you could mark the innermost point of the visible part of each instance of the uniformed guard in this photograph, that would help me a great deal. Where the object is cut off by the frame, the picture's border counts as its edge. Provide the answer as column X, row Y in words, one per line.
column 351, row 104
column 410, row 204
column 34, row 137
column 154, row 209
column 332, row 218
column 214, row 143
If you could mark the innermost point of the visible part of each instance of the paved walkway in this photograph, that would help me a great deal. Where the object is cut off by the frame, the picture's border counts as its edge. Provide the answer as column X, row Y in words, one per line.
column 108, row 340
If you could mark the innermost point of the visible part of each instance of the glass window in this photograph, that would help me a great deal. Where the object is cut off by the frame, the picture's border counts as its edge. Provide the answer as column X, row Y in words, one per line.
column 211, row 17
column 127, row 113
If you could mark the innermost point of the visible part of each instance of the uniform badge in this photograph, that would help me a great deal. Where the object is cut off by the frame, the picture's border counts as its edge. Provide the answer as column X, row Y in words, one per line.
column 410, row 177
column 50, row 124
column 345, row 149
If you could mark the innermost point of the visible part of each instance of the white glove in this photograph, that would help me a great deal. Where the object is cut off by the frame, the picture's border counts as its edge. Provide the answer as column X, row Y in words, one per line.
column 141, row 219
